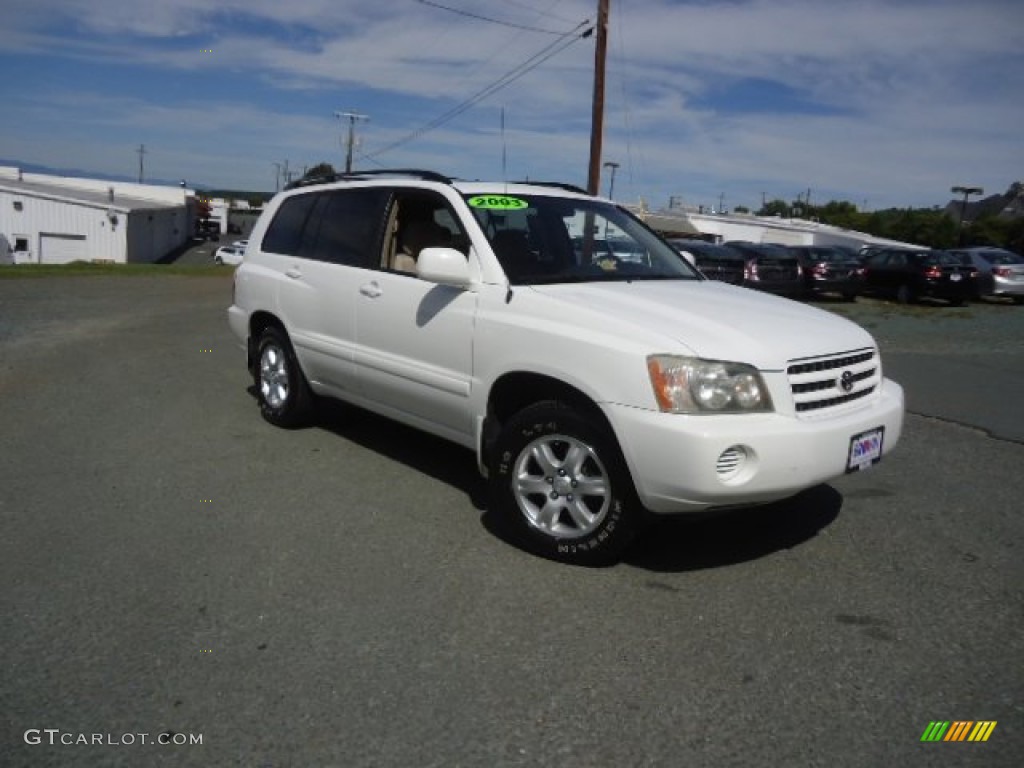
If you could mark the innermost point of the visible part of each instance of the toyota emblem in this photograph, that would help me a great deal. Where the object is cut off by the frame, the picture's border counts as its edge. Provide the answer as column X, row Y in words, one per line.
column 846, row 381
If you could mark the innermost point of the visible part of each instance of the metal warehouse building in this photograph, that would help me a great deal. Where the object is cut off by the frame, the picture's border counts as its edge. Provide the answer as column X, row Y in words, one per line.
column 56, row 219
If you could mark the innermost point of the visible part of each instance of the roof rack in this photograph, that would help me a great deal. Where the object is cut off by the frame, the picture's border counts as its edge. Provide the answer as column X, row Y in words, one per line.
column 356, row 175
column 554, row 184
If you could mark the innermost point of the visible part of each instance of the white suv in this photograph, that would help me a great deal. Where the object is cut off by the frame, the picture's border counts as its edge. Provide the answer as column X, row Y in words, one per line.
column 595, row 390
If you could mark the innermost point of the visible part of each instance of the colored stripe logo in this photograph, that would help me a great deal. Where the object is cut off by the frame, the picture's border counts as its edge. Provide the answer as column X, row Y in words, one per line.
column 958, row 730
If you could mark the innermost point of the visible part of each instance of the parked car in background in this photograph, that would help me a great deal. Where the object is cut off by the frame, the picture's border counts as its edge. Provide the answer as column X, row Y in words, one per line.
column 719, row 262
column 829, row 270
column 241, row 244
column 909, row 275
column 1000, row 272
column 770, row 267
column 229, row 254
column 208, row 229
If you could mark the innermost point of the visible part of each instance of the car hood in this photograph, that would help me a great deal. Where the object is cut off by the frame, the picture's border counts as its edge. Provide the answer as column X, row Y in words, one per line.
column 713, row 320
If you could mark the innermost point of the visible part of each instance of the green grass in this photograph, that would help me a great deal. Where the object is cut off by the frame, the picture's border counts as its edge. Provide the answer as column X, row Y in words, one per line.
column 83, row 268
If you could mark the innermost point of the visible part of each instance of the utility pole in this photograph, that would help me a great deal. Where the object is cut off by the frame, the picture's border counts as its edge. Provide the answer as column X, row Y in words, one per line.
column 597, row 115
column 142, row 152
column 966, row 191
column 352, row 117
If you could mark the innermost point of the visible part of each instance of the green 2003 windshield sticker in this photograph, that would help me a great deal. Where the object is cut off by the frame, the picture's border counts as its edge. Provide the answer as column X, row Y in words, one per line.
column 497, row 202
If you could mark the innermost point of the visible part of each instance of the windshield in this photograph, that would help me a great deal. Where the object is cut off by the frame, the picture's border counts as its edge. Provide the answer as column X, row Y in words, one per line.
column 1000, row 258
column 540, row 239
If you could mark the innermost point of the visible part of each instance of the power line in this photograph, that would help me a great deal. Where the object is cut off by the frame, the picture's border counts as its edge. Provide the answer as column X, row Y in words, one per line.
column 540, row 12
column 488, row 19
column 507, row 79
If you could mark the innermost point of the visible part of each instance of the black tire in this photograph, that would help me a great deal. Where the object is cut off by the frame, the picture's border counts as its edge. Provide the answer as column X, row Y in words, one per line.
column 906, row 294
column 957, row 302
column 545, row 453
column 282, row 390
column 849, row 297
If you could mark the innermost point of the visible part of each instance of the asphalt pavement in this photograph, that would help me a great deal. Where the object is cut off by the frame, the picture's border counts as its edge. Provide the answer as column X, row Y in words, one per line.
column 174, row 569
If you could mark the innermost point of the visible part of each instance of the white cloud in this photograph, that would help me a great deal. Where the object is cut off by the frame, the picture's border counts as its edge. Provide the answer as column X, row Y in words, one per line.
column 915, row 96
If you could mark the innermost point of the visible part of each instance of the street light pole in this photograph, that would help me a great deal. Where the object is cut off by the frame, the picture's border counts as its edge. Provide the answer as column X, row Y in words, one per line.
column 352, row 117
column 611, row 182
column 966, row 192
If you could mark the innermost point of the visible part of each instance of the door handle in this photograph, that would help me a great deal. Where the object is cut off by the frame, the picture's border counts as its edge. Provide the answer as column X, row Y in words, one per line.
column 294, row 273
column 371, row 289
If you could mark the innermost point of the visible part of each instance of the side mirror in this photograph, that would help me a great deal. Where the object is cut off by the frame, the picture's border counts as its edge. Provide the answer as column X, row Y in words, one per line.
column 445, row 266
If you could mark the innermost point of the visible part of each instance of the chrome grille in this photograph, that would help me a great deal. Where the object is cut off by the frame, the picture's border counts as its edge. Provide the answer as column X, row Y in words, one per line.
column 830, row 381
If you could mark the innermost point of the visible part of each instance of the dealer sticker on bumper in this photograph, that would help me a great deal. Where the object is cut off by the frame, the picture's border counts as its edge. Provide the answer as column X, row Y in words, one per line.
column 865, row 449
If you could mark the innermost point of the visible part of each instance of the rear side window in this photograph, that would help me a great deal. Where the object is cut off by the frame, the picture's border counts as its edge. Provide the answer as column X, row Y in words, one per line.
column 342, row 226
column 350, row 226
column 284, row 235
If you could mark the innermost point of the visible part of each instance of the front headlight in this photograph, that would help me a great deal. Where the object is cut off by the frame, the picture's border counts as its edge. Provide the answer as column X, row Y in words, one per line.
column 692, row 385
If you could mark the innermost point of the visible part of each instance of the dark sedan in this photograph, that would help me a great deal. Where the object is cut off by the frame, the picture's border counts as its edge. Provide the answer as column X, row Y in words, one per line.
column 909, row 275
column 770, row 267
column 718, row 262
column 830, row 270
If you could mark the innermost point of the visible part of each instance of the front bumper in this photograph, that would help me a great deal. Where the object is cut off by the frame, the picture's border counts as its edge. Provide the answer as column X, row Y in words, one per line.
column 675, row 460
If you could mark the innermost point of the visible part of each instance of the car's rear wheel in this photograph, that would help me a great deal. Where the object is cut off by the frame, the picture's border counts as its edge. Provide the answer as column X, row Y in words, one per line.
column 560, row 483
column 906, row 294
column 283, row 392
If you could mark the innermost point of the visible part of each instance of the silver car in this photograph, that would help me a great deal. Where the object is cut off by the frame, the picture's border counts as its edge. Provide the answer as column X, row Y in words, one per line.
column 1000, row 272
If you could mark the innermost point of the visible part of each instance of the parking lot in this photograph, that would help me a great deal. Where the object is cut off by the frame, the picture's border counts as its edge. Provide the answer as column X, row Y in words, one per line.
column 172, row 565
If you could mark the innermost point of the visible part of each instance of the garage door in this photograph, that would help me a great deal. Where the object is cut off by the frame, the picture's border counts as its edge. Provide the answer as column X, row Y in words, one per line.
column 62, row 249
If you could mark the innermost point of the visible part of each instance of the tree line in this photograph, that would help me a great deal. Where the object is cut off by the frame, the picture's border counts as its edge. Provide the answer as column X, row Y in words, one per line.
column 929, row 227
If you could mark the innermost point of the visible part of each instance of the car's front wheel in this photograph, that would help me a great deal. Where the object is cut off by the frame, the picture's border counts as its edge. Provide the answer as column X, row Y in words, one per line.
column 560, row 482
column 283, row 392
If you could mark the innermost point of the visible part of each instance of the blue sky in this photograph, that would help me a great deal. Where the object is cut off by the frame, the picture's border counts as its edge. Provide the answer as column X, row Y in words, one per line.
column 880, row 103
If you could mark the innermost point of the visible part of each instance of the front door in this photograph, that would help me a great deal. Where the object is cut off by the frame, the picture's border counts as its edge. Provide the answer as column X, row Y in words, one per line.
column 414, row 339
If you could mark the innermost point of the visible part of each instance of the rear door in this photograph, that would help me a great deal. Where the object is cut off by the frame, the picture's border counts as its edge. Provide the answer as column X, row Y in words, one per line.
column 322, row 245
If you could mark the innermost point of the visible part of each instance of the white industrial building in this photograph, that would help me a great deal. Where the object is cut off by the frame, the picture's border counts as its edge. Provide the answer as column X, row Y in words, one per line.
column 48, row 219
column 722, row 227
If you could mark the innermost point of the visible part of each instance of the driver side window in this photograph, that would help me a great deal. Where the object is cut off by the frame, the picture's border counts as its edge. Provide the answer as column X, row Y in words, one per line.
column 419, row 220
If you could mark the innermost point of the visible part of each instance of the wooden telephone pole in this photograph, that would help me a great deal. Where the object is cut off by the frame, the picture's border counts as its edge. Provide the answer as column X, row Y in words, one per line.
column 597, row 116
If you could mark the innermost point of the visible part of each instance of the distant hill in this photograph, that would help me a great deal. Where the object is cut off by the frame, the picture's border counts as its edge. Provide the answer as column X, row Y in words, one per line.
column 36, row 168
column 206, row 189
column 1009, row 205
